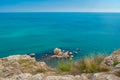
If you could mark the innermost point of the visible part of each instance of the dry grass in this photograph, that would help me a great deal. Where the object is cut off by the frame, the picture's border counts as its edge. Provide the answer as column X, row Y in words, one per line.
column 31, row 67
column 91, row 64
column 85, row 65
column 26, row 63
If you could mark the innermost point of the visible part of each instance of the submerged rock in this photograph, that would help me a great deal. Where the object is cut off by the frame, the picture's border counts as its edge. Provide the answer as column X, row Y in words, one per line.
column 32, row 55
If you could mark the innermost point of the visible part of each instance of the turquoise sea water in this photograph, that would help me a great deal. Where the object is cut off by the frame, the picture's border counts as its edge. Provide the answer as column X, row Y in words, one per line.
column 24, row 33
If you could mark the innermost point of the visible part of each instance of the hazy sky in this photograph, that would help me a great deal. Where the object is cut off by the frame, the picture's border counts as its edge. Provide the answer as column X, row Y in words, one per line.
column 59, row 5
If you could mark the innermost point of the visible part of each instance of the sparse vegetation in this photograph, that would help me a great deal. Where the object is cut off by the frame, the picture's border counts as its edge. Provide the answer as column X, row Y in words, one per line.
column 115, row 63
column 91, row 64
column 84, row 65
column 26, row 63
column 65, row 66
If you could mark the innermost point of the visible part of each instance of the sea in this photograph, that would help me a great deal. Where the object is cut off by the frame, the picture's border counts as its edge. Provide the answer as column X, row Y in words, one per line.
column 41, row 32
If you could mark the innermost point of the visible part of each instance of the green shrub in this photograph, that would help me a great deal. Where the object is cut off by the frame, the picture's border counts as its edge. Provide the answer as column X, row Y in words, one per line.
column 67, row 66
column 115, row 63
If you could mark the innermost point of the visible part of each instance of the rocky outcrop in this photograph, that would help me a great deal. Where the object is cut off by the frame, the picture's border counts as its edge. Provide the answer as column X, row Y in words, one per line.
column 18, row 64
column 20, row 57
column 113, row 59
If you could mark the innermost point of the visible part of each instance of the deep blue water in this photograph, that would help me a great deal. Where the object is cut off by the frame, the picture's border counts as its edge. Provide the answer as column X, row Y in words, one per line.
column 23, row 33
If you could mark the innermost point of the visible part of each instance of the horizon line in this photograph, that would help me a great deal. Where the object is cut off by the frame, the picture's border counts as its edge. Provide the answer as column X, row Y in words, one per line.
column 60, row 12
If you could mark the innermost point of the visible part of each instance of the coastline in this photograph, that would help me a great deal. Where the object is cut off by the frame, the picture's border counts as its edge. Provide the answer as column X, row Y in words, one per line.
column 24, row 67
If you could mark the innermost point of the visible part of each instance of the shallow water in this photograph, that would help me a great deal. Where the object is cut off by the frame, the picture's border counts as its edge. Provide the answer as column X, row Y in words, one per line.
column 24, row 33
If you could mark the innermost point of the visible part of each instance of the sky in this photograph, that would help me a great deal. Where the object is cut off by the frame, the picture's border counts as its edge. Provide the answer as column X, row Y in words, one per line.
column 59, row 5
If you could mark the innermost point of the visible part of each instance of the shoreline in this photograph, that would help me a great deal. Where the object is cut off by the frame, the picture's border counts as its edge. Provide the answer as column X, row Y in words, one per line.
column 24, row 67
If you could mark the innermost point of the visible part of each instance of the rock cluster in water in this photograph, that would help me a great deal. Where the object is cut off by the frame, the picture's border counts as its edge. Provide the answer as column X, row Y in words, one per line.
column 58, row 53
column 25, row 67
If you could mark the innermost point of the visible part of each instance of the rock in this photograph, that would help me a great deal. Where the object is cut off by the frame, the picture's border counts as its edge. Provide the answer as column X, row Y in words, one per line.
column 110, row 60
column 20, row 57
column 56, row 51
column 60, row 53
column 104, row 76
column 70, row 53
column 58, row 78
column 71, row 76
column 117, row 66
column 66, row 54
column 43, row 66
column 54, row 56
column 18, row 64
column 1, row 67
column 25, row 76
column 32, row 55
column 77, row 77
column 85, row 76
column 117, row 52
column 37, row 77
column 72, row 56
column 116, row 55
column 75, row 52
column 4, row 79
column 0, row 60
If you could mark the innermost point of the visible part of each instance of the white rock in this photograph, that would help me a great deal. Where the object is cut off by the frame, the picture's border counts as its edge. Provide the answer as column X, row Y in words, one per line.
column 70, row 53
column 56, row 51
column 66, row 54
